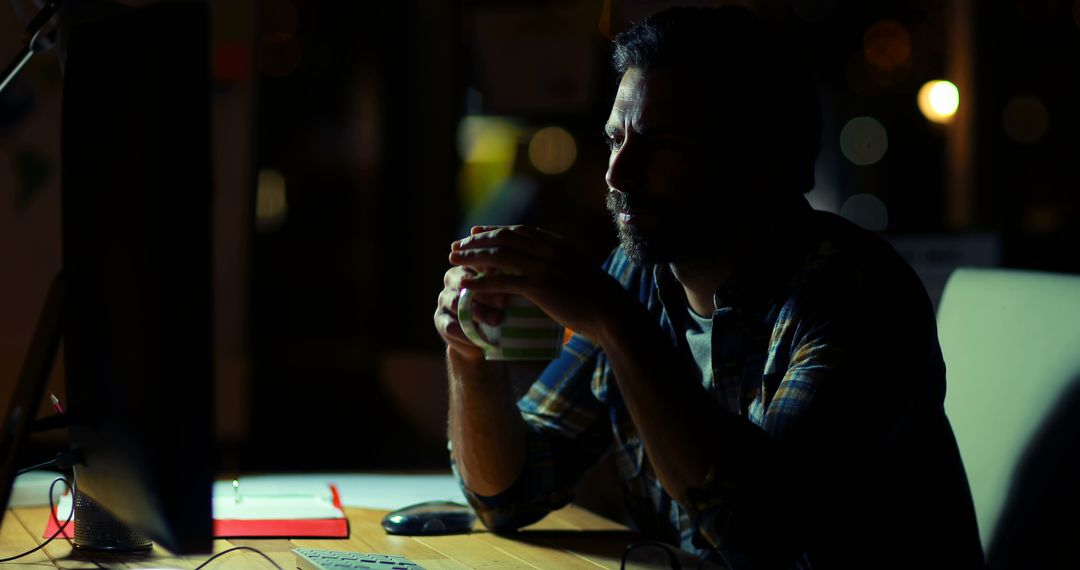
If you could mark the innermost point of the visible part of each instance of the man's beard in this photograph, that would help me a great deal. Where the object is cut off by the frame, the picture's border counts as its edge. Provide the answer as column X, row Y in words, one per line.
column 659, row 246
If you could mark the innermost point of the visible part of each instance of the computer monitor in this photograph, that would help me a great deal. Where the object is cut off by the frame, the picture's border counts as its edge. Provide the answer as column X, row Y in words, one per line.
column 136, row 189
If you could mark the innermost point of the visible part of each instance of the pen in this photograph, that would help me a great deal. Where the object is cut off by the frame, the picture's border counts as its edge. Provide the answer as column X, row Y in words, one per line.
column 56, row 403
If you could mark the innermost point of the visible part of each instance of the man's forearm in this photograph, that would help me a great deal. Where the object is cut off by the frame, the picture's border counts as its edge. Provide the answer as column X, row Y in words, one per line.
column 486, row 429
column 682, row 427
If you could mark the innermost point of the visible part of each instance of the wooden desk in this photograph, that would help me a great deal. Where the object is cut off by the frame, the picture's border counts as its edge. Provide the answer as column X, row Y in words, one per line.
column 568, row 539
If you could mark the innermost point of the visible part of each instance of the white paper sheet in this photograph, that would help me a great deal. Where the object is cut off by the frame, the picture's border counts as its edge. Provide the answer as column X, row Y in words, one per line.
column 269, row 498
column 271, row 508
column 371, row 491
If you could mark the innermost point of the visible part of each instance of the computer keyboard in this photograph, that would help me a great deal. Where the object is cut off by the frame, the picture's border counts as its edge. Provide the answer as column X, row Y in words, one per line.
column 314, row 559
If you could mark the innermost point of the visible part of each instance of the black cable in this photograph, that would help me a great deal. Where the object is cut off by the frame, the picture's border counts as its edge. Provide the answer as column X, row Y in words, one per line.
column 234, row 549
column 49, row 463
column 63, row 460
column 52, row 510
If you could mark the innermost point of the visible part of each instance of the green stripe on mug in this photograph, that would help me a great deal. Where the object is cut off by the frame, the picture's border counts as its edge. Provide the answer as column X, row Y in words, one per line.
column 515, row 332
column 526, row 333
column 508, row 352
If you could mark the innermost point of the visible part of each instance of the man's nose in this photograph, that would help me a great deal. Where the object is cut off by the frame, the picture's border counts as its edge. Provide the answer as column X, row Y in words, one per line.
column 621, row 170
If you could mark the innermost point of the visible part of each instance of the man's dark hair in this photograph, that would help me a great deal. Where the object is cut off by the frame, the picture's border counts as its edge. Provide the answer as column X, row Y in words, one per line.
column 729, row 51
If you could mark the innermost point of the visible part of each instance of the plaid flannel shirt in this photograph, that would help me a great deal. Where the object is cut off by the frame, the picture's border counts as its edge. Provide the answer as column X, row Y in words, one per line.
column 781, row 334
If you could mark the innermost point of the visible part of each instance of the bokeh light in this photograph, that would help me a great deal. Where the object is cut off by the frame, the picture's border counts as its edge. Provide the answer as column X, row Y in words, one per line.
column 487, row 139
column 938, row 100
column 271, row 203
column 887, row 45
column 867, row 211
column 552, row 150
column 488, row 149
column 863, row 141
column 1025, row 119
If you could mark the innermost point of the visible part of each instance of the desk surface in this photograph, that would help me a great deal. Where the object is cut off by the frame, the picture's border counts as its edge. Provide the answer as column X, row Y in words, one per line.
column 567, row 539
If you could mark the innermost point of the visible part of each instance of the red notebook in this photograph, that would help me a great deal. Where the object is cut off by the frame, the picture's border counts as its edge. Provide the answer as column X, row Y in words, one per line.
column 336, row 527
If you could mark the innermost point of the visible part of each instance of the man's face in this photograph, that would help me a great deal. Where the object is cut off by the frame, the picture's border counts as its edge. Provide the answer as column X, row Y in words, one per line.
column 667, row 190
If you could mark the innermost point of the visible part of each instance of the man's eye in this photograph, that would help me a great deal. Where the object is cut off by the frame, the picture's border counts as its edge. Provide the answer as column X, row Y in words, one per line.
column 614, row 143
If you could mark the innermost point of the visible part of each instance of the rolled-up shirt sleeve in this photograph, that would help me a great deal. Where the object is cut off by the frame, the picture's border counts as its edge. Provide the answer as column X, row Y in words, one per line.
column 568, row 432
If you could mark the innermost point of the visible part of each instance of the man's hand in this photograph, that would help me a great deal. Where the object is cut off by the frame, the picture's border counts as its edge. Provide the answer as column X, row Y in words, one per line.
column 487, row 308
column 545, row 269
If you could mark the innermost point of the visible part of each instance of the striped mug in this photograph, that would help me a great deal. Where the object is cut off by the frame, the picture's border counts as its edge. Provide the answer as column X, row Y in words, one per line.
column 526, row 332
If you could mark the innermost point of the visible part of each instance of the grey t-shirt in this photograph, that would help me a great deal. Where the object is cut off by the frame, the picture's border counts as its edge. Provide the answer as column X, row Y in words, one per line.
column 699, row 337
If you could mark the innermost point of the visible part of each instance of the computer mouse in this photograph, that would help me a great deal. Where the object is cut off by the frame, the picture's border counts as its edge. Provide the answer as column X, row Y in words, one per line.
column 428, row 518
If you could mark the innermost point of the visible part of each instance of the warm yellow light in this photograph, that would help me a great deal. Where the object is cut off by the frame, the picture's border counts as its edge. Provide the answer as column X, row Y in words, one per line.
column 488, row 148
column 552, row 150
column 487, row 140
column 938, row 100
column 271, row 203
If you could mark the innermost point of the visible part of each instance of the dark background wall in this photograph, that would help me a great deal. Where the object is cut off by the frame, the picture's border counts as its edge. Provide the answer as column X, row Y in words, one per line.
column 355, row 140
